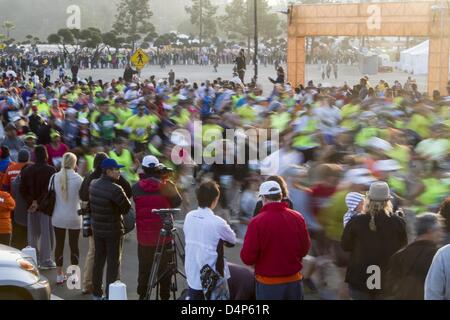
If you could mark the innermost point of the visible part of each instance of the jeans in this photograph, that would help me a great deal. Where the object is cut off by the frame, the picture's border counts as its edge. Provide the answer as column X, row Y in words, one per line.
column 107, row 250
column 146, row 255
column 196, row 295
column 286, row 291
column 60, row 236
column 40, row 230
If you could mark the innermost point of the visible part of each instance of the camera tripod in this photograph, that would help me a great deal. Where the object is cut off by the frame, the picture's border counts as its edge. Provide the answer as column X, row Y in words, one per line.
column 174, row 248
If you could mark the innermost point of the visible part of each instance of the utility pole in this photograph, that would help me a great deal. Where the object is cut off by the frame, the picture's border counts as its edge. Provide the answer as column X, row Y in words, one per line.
column 201, row 25
column 249, row 27
column 255, row 57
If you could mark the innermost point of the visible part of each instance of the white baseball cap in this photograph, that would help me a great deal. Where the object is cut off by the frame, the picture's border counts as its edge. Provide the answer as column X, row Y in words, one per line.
column 269, row 188
column 150, row 162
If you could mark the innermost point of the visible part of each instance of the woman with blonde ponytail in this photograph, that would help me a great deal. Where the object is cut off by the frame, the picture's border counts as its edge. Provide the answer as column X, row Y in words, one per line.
column 65, row 215
column 372, row 238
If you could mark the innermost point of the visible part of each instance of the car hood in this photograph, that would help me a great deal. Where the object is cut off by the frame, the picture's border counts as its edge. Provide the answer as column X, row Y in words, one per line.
column 9, row 256
column 10, row 272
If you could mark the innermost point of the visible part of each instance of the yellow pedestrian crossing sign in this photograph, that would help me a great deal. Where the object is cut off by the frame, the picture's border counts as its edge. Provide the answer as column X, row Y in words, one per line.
column 140, row 59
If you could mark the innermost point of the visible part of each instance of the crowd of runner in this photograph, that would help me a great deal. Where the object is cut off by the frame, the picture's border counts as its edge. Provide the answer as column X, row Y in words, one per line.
column 334, row 144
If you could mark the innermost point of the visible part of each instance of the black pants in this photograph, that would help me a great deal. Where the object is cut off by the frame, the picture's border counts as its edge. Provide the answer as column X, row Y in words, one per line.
column 146, row 256
column 60, row 236
column 107, row 250
column 5, row 238
column 241, row 76
column 19, row 236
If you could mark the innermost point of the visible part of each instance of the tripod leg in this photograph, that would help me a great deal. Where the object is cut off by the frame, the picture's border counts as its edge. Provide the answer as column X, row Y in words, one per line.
column 155, row 268
column 180, row 248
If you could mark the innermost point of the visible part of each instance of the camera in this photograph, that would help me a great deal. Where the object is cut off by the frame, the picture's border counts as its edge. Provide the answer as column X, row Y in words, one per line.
column 163, row 171
column 83, row 212
column 87, row 223
column 167, row 217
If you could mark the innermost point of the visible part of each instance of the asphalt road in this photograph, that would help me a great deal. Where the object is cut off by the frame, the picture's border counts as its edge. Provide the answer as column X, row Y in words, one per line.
column 129, row 269
column 349, row 74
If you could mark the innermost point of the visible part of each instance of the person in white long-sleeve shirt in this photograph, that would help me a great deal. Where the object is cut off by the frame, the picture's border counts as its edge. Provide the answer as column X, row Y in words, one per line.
column 437, row 283
column 203, row 231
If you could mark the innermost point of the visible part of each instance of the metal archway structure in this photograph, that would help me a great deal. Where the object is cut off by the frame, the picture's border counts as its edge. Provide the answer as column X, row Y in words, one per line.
column 416, row 19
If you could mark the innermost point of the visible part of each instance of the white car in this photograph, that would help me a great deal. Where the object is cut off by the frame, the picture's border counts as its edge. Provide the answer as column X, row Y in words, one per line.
column 20, row 278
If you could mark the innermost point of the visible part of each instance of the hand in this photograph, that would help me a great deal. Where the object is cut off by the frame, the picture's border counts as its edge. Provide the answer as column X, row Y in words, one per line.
column 33, row 207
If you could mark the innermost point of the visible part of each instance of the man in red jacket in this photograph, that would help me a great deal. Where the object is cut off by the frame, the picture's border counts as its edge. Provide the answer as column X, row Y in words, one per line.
column 275, row 244
column 150, row 193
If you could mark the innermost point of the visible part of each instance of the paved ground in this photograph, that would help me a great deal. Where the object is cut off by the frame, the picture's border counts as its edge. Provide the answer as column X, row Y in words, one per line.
column 129, row 269
column 349, row 74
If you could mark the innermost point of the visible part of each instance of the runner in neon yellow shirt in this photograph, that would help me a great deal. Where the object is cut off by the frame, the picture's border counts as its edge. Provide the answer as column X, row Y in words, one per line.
column 140, row 126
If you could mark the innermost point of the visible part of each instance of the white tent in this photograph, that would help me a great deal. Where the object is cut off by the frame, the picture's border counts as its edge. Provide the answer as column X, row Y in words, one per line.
column 415, row 60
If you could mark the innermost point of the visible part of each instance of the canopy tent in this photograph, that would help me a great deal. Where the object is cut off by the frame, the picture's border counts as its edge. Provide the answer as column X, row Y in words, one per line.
column 415, row 60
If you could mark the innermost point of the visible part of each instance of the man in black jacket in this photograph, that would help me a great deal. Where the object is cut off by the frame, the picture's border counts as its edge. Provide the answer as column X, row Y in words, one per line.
column 33, row 187
column 409, row 267
column 241, row 65
column 84, row 197
column 75, row 70
column 129, row 73
column 280, row 76
column 108, row 203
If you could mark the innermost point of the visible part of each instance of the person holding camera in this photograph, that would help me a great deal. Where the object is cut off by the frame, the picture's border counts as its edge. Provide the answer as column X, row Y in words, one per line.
column 205, row 234
column 108, row 203
column 152, row 192
column 86, row 213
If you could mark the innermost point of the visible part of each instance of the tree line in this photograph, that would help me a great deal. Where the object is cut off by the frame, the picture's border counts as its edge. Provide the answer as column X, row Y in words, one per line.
column 133, row 26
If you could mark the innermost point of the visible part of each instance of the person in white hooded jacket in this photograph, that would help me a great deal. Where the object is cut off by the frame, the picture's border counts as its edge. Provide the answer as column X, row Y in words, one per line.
column 437, row 283
column 65, row 217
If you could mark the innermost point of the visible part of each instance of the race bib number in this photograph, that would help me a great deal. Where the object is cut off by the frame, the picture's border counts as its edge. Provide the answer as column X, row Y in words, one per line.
column 108, row 124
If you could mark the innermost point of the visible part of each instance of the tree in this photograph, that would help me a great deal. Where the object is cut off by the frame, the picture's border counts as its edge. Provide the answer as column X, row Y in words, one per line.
column 186, row 27
column 238, row 20
column 165, row 40
column 54, row 39
column 92, row 39
column 8, row 26
column 29, row 38
column 203, row 15
column 111, row 40
column 235, row 20
column 268, row 21
column 133, row 20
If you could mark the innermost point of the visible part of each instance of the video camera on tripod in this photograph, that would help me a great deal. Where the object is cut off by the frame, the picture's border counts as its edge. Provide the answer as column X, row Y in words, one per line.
column 167, row 217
